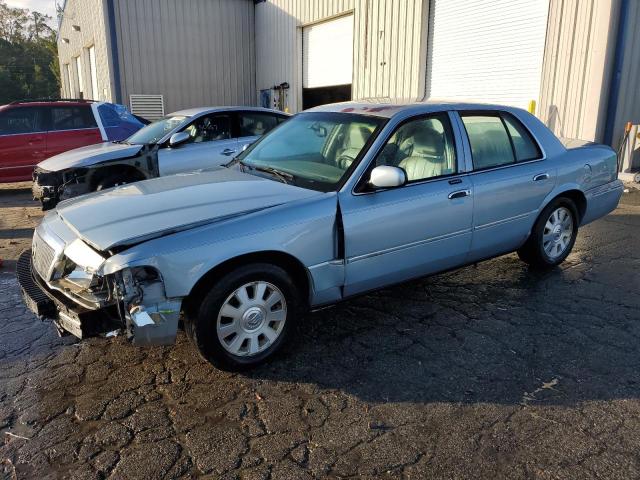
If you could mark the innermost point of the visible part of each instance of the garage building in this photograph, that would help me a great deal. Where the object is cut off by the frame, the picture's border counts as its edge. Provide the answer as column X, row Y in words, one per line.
column 575, row 63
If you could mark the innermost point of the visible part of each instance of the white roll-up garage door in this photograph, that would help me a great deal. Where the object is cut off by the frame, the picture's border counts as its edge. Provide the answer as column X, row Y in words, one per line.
column 486, row 50
column 327, row 53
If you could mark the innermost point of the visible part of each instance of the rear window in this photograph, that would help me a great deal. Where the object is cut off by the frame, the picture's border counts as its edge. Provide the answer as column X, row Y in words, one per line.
column 498, row 138
column 21, row 120
column 490, row 143
column 72, row 118
column 255, row 124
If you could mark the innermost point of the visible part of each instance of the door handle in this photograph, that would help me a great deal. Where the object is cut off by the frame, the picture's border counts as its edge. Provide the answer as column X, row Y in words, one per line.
column 541, row 176
column 459, row 194
column 227, row 152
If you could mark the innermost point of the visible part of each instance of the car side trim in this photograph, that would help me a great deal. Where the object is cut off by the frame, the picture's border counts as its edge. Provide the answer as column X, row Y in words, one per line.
column 505, row 220
column 407, row 245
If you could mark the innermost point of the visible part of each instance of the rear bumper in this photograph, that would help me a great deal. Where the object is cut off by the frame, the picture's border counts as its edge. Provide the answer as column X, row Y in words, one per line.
column 66, row 315
column 602, row 200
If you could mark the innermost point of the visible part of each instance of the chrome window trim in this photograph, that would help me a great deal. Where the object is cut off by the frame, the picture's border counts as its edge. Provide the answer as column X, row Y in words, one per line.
column 499, row 113
column 28, row 133
column 19, row 166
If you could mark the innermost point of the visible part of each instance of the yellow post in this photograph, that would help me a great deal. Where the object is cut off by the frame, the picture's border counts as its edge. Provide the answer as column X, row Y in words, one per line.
column 532, row 107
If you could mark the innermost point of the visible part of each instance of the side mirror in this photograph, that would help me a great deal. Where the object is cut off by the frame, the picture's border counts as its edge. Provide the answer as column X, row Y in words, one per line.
column 245, row 146
column 386, row 176
column 178, row 138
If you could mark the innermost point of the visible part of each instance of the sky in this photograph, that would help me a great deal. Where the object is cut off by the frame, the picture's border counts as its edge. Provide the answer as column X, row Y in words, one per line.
column 43, row 6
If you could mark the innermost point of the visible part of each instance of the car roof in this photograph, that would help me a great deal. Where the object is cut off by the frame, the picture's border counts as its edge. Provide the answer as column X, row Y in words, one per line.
column 388, row 107
column 191, row 112
column 41, row 102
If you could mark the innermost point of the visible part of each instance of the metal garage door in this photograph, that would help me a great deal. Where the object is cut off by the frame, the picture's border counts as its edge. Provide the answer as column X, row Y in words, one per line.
column 489, row 51
column 327, row 61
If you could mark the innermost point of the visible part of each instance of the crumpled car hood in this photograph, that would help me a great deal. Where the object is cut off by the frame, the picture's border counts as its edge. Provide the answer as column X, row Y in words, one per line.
column 89, row 155
column 151, row 208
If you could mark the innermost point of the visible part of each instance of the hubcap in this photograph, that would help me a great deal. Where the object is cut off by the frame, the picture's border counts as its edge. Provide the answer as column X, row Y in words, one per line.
column 251, row 319
column 558, row 232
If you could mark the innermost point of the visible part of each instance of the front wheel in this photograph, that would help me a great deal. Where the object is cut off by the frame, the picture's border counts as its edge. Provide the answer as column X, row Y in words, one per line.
column 553, row 235
column 246, row 317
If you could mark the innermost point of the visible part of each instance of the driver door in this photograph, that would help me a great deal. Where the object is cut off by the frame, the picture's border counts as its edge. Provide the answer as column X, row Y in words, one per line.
column 211, row 144
column 396, row 234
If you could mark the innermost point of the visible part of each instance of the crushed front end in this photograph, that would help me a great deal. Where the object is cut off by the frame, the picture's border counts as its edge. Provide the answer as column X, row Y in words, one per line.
column 61, row 281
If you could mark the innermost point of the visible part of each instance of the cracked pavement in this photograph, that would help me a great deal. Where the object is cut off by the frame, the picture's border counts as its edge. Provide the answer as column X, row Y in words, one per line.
column 491, row 371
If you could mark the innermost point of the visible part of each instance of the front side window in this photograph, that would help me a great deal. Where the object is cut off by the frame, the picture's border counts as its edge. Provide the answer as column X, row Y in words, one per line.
column 423, row 148
column 20, row 120
column 72, row 118
column 314, row 149
column 155, row 131
column 209, row 128
column 255, row 124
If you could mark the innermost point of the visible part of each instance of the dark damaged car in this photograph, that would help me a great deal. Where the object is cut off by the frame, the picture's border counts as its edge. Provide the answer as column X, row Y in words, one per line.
column 183, row 141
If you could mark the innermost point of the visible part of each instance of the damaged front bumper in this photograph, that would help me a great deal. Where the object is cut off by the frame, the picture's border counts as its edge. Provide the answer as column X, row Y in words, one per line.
column 155, row 323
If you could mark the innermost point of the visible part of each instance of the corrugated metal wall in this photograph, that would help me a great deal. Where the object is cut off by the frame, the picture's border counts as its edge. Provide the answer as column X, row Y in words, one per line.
column 195, row 52
column 628, row 105
column 579, row 52
column 389, row 45
column 90, row 16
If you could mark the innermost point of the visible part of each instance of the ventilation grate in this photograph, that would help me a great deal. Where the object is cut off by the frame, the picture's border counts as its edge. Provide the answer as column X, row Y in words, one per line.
column 150, row 107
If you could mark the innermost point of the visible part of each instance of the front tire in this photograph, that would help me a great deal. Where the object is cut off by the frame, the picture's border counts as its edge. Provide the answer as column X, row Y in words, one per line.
column 246, row 317
column 553, row 235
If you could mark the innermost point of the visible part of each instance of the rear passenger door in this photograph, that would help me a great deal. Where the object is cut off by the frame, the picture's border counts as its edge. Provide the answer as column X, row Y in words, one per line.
column 252, row 125
column 510, row 181
column 22, row 142
column 211, row 143
column 71, row 126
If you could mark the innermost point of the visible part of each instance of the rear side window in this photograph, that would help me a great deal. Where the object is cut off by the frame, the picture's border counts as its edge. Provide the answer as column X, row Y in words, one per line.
column 255, row 124
column 72, row 118
column 490, row 142
column 21, row 120
column 523, row 144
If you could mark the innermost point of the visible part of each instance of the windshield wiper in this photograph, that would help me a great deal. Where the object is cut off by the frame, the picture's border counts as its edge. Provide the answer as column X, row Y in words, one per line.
column 284, row 177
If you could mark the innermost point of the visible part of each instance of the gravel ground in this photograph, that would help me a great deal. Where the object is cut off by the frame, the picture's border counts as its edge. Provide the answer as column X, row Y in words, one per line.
column 491, row 371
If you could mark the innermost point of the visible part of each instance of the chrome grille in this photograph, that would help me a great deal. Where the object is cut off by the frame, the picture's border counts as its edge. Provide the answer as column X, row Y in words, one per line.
column 43, row 256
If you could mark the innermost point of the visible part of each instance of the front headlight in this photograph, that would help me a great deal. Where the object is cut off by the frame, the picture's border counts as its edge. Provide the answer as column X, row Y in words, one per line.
column 84, row 256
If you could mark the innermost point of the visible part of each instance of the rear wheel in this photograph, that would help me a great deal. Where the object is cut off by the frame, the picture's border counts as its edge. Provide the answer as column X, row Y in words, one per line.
column 553, row 235
column 246, row 317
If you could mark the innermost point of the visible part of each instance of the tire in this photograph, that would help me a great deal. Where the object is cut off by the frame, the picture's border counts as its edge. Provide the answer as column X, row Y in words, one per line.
column 240, row 340
column 553, row 235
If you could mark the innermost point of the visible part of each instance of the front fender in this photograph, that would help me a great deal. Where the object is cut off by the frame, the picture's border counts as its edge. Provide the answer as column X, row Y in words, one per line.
column 304, row 230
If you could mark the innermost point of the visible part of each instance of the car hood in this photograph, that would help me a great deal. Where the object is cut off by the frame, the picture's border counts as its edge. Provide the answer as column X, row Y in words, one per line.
column 151, row 208
column 89, row 155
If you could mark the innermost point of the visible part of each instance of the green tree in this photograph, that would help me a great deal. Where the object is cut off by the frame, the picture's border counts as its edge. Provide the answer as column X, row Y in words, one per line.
column 28, row 55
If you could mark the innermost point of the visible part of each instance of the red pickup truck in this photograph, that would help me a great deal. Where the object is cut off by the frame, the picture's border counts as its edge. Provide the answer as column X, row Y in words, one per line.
column 32, row 131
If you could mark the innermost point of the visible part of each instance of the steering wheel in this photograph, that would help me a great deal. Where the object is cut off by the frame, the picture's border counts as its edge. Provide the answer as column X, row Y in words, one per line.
column 344, row 161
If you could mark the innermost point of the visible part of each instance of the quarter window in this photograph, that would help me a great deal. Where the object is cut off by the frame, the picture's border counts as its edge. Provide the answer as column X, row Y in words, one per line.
column 256, row 124
column 20, row 120
column 524, row 146
column 72, row 118
column 424, row 148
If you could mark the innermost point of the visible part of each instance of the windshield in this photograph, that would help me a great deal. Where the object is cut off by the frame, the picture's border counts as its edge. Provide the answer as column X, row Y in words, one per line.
column 153, row 132
column 314, row 150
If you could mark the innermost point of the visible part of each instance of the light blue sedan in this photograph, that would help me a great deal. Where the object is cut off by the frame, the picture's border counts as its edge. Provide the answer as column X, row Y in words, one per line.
column 340, row 200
